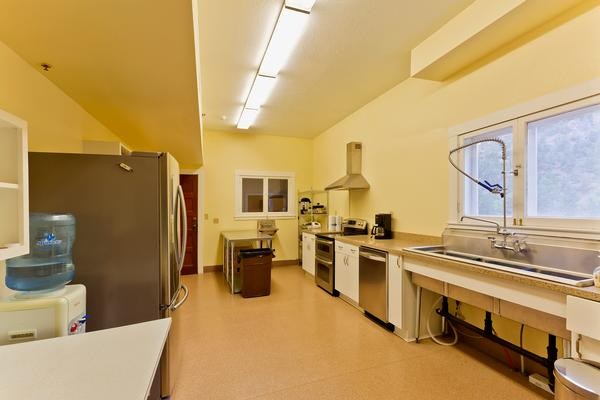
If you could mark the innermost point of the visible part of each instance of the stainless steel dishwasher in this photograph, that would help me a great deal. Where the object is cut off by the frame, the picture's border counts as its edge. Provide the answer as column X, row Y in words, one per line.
column 373, row 282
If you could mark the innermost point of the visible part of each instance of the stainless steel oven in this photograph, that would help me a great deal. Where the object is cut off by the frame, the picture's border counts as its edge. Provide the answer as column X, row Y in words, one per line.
column 324, row 274
column 325, row 247
column 324, row 263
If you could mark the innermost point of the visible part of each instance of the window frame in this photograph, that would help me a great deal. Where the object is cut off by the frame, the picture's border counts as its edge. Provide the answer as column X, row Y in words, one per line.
column 551, row 222
column 518, row 117
column 265, row 176
column 463, row 201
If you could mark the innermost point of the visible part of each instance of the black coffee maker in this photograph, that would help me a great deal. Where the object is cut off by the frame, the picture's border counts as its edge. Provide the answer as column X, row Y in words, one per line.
column 383, row 226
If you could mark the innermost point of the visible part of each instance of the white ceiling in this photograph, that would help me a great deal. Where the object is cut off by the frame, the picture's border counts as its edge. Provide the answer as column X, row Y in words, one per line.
column 129, row 63
column 351, row 52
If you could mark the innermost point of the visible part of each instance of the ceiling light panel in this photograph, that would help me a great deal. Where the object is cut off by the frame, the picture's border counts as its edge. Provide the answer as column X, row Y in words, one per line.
column 288, row 30
column 247, row 118
column 260, row 91
column 305, row 5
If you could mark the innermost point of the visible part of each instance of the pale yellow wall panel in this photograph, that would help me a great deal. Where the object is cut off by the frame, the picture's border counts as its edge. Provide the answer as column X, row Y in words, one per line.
column 56, row 122
column 226, row 152
column 404, row 131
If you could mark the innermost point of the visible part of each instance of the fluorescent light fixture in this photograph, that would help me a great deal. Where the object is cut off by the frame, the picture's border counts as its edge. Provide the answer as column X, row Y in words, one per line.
column 247, row 118
column 305, row 5
column 289, row 28
column 261, row 89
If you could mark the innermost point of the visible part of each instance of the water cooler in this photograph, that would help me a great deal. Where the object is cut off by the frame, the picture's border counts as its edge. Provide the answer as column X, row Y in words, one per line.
column 29, row 317
column 43, row 306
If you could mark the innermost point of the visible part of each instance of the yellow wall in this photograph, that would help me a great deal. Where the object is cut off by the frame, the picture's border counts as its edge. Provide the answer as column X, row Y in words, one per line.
column 404, row 131
column 56, row 122
column 224, row 153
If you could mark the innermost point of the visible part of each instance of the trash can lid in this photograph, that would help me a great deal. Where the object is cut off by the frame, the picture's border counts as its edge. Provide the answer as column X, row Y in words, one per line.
column 579, row 376
column 246, row 253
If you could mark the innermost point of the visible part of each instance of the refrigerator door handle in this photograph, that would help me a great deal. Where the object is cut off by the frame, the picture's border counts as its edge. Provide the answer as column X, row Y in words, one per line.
column 183, row 299
column 176, row 230
column 183, row 227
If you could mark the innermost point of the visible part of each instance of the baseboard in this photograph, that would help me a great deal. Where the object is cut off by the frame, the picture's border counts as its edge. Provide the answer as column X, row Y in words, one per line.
column 283, row 263
column 212, row 268
column 277, row 263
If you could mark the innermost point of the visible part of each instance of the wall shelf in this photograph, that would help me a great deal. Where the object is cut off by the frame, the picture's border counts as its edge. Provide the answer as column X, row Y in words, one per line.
column 14, row 193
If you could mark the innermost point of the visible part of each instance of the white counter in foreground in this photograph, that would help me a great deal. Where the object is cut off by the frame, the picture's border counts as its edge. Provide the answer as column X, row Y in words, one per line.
column 117, row 363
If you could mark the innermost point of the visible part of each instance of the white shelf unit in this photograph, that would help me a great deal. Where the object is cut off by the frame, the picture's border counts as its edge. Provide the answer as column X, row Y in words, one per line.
column 315, row 196
column 14, row 195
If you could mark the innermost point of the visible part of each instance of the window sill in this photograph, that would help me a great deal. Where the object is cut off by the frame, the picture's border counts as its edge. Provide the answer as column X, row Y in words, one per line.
column 256, row 218
column 554, row 232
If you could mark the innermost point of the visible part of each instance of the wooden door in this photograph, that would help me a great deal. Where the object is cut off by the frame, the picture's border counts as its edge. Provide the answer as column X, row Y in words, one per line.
column 189, row 183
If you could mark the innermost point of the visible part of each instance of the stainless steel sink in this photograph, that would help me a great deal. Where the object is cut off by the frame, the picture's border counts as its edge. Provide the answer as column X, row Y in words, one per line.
column 537, row 271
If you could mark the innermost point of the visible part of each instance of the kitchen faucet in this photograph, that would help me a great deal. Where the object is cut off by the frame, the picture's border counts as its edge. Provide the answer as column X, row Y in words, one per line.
column 516, row 245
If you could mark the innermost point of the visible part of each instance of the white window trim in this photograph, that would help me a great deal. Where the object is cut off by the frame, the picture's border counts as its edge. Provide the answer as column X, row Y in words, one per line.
column 518, row 116
column 290, row 176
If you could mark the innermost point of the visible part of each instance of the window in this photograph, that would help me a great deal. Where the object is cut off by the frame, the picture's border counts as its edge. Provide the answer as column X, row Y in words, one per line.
column 552, row 165
column 484, row 162
column 563, row 156
column 264, row 194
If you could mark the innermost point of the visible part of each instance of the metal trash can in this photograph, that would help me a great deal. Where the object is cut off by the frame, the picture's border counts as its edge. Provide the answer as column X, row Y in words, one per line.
column 576, row 380
column 256, row 272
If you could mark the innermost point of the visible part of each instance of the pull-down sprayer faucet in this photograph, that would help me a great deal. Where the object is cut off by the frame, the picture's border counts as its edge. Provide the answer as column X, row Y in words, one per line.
column 516, row 245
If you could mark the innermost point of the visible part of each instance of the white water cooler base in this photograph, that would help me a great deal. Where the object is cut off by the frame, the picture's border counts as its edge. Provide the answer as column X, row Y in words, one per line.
column 59, row 313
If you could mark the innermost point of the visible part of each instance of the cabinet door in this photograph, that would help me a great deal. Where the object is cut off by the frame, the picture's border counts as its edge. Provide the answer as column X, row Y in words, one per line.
column 308, row 253
column 304, row 251
column 341, row 271
column 352, row 272
column 395, row 290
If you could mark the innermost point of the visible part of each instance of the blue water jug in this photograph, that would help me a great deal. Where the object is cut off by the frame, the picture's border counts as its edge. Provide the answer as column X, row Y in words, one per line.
column 49, row 265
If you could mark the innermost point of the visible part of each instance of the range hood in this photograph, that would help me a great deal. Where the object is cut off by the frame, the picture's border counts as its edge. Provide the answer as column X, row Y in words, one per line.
column 353, row 180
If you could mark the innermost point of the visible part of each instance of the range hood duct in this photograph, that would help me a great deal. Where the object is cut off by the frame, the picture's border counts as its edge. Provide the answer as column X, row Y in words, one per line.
column 353, row 180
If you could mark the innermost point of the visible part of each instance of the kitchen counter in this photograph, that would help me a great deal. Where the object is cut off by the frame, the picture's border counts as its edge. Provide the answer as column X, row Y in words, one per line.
column 117, row 363
column 318, row 230
column 401, row 241
column 396, row 245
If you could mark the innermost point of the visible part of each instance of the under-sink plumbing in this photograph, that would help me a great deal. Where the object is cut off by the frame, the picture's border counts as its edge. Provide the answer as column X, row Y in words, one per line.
column 510, row 241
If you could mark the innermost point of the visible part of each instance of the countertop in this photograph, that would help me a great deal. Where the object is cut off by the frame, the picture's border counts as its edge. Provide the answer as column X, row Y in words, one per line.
column 395, row 245
column 249, row 234
column 107, row 364
column 318, row 230
column 401, row 241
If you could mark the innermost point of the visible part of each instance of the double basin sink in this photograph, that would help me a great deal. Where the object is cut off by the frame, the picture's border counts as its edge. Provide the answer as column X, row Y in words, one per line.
column 536, row 271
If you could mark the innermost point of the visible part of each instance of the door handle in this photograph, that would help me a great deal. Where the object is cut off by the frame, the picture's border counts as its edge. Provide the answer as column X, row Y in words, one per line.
column 372, row 257
column 183, row 243
column 186, row 292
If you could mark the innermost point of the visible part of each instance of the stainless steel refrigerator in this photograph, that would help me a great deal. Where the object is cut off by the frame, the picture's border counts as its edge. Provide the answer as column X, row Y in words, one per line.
column 130, row 237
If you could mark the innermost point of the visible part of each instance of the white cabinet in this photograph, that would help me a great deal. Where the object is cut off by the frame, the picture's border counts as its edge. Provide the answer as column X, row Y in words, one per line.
column 395, row 276
column 346, row 270
column 14, row 197
column 308, row 252
column 583, row 320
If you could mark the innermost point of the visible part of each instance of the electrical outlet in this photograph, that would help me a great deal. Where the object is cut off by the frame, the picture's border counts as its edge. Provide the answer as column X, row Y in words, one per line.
column 215, row 220
column 206, row 217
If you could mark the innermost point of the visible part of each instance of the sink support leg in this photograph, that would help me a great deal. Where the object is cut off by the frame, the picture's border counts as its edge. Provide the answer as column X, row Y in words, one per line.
column 552, row 356
column 444, row 312
column 488, row 328
column 418, row 315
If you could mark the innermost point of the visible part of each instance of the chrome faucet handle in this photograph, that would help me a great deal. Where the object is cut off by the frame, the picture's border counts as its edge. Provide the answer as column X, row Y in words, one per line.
column 520, row 246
